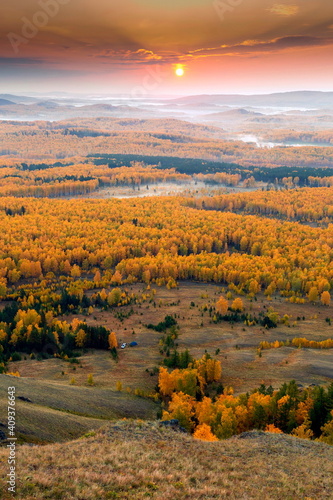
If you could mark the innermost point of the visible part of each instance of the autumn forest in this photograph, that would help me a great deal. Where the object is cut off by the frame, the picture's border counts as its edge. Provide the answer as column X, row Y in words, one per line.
column 88, row 238
column 159, row 269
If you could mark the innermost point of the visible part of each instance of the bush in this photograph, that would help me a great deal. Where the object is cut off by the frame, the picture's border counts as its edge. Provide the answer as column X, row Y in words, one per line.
column 114, row 353
column 74, row 360
column 16, row 356
column 168, row 322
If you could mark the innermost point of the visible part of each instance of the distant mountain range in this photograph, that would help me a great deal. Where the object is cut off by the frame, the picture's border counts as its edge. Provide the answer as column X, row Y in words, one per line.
column 18, row 99
column 306, row 110
column 5, row 102
column 52, row 110
column 238, row 113
column 303, row 99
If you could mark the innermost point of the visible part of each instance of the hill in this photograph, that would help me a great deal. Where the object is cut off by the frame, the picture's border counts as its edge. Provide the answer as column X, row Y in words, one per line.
column 136, row 460
column 239, row 113
column 311, row 99
column 151, row 125
column 18, row 99
column 5, row 102
column 51, row 411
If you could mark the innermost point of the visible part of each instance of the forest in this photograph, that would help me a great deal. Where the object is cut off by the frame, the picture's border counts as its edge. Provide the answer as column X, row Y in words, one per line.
column 61, row 140
column 83, row 269
column 76, row 176
column 163, row 239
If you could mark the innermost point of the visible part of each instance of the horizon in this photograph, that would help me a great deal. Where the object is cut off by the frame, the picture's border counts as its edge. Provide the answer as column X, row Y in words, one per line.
column 155, row 96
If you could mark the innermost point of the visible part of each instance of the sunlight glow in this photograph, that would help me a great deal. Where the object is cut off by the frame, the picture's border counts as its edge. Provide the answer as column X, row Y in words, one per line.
column 180, row 71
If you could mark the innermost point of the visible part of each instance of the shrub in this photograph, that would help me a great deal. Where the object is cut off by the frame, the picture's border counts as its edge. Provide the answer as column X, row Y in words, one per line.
column 16, row 356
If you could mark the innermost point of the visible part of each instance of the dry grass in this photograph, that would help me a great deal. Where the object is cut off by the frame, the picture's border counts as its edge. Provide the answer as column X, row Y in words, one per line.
column 137, row 460
column 47, row 383
column 43, row 425
column 61, row 412
column 242, row 368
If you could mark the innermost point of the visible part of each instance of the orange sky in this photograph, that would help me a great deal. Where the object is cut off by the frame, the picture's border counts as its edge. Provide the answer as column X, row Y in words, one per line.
column 133, row 46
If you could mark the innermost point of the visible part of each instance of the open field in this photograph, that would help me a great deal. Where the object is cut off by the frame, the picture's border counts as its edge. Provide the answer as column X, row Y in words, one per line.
column 159, row 189
column 242, row 368
column 192, row 188
column 135, row 460
column 79, row 407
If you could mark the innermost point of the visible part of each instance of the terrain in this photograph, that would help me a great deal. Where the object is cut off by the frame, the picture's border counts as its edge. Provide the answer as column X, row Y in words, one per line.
column 136, row 460
column 71, row 408
column 164, row 261
column 42, row 140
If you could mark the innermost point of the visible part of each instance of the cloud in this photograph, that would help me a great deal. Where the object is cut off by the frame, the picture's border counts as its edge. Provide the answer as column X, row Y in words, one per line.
column 287, row 42
column 256, row 46
column 132, row 59
column 282, row 9
column 147, row 55
column 19, row 60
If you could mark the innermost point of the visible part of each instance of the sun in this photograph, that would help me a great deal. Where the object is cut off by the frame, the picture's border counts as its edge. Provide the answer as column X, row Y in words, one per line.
column 180, row 71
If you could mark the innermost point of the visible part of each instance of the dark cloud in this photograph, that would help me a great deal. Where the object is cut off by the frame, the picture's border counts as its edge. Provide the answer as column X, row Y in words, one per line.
column 20, row 60
column 301, row 41
column 256, row 46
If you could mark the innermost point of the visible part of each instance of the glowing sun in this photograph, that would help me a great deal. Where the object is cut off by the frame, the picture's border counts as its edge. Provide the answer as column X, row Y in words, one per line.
column 180, row 71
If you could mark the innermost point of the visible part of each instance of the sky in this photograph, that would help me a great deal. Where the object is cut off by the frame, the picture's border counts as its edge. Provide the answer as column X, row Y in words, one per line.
column 135, row 46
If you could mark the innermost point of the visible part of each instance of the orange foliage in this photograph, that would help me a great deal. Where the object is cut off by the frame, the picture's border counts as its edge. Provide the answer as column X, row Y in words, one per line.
column 161, row 241
column 304, row 204
column 222, row 305
column 273, row 429
column 204, row 432
column 112, row 339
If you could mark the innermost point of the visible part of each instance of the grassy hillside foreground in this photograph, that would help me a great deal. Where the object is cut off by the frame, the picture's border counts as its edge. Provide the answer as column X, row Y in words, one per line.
column 62, row 412
column 137, row 460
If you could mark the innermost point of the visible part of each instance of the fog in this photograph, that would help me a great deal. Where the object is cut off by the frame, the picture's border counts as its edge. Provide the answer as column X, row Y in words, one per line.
column 245, row 118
